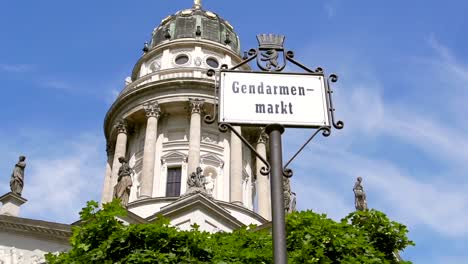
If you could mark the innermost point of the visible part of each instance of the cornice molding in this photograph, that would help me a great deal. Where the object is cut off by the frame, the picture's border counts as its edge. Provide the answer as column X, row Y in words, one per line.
column 157, row 90
column 51, row 230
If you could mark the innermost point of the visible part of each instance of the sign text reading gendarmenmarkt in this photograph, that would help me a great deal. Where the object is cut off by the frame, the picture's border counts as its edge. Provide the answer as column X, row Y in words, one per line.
column 266, row 98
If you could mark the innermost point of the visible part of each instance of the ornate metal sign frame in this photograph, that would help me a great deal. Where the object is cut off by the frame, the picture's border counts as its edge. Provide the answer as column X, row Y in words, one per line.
column 271, row 57
column 267, row 59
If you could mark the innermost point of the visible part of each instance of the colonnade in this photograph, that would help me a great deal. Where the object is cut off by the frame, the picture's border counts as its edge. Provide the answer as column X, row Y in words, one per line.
column 153, row 113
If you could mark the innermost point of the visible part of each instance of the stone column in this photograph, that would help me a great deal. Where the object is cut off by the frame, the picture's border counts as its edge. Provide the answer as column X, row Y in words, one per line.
column 195, row 135
column 153, row 112
column 235, row 182
column 263, row 182
column 120, row 151
column 107, row 189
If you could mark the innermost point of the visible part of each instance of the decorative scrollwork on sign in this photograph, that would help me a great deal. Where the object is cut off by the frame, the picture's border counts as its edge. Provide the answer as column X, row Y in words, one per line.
column 224, row 127
column 268, row 57
column 333, row 78
column 287, row 172
column 211, row 118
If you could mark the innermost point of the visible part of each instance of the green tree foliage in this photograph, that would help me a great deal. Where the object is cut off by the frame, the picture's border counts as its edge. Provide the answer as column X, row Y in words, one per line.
column 361, row 237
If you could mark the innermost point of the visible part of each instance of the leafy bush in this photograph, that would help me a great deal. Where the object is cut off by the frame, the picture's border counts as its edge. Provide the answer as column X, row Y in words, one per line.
column 361, row 237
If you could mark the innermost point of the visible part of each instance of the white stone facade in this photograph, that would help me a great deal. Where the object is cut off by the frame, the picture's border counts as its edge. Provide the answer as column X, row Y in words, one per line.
column 157, row 123
column 24, row 241
column 173, row 76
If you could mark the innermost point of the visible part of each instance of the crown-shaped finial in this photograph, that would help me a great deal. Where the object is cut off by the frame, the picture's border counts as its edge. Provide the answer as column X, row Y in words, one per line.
column 271, row 41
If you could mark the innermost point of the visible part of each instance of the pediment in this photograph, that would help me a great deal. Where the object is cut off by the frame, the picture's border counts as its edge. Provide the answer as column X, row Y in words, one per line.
column 132, row 218
column 201, row 210
column 174, row 156
column 213, row 160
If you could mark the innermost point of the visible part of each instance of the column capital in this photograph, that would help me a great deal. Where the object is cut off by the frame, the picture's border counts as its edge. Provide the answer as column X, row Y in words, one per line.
column 152, row 109
column 122, row 126
column 263, row 138
column 196, row 105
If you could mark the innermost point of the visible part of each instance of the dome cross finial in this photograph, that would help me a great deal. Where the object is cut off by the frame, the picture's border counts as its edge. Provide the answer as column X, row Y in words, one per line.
column 197, row 4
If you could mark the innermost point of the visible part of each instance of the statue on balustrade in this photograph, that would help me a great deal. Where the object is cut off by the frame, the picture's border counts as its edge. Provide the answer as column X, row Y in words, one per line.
column 17, row 177
column 360, row 201
column 124, row 182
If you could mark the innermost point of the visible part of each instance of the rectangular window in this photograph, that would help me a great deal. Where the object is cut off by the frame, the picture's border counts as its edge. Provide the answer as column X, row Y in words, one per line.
column 173, row 181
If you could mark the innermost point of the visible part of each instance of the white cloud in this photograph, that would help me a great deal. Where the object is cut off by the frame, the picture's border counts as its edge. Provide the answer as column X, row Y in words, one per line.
column 60, row 85
column 61, row 176
column 437, row 200
column 321, row 199
column 15, row 68
column 395, row 191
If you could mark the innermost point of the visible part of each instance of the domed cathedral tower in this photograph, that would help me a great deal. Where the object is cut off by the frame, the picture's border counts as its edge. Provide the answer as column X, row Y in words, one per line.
column 156, row 123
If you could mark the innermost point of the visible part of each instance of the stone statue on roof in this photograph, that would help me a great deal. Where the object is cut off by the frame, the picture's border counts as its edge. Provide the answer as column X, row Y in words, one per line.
column 196, row 179
column 360, row 201
column 17, row 177
column 196, row 183
column 292, row 207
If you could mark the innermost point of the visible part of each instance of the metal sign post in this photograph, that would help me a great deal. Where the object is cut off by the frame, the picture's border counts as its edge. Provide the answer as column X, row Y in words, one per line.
column 277, row 198
column 277, row 100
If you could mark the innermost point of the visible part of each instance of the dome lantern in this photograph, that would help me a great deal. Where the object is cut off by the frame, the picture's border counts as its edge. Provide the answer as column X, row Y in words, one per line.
column 197, row 4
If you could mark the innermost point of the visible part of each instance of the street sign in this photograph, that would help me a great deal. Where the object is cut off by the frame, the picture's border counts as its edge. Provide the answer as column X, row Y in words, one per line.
column 289, row 99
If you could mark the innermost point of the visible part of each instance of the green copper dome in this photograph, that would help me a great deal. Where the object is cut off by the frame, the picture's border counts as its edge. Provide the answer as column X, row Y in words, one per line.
column 198, row 24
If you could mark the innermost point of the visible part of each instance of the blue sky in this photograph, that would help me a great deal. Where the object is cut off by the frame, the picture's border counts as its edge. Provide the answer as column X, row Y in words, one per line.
column 403, row 68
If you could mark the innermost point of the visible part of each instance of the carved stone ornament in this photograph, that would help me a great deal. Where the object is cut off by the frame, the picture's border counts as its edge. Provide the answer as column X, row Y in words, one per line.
column 198, row 61
column 12, row 255
column 152, row 109
column 196, row 183
column 360, row 200
column 196, row 179
column 17, row 177
column 196, row 105
column 209, row 184
column 121, row 126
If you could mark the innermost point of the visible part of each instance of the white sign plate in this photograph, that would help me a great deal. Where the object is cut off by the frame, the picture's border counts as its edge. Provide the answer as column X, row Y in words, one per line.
column 289, row 99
